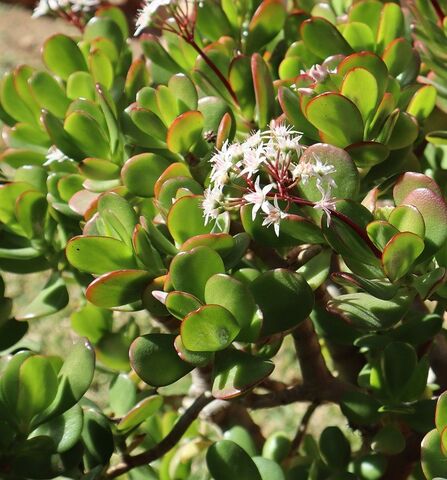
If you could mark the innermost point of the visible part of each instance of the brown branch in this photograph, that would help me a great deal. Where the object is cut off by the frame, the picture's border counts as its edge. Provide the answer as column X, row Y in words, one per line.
column 166, row 444
column 313, row 367
column 302, row 427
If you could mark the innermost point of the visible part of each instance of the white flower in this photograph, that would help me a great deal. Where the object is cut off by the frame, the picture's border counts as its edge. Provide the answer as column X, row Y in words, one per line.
column 253, row 159
column 258, row 197
column 304, row 171
column 148, row 12
column 54, row 155
column 284, row 138
column 326, row 203
column 212, row 199
column 222, row 163
column 274, row 215
column 254, row 140
column 84, row 5
column 44, row 7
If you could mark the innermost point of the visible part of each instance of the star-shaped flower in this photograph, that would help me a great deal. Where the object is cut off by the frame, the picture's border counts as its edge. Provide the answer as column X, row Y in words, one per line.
column 258, row 197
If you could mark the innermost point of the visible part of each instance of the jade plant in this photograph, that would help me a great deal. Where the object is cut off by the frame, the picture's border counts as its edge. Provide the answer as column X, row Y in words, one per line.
column 247, row 215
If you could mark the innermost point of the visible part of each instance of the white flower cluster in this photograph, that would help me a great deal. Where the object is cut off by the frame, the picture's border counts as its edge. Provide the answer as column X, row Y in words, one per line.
column 46, row 7
column 264, row 168
column 147, row 14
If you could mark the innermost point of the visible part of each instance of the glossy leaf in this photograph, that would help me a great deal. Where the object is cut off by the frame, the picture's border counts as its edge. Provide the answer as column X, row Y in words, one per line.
column 150, row 351
column 118, row 288
column 62, row 56
column 209, row 329
column 225, row 460
column 184, row 132
column 400, row 253
column 99, row 255
column 51, row 299
column 337, row 118
column 279, row 292
column 235, row 372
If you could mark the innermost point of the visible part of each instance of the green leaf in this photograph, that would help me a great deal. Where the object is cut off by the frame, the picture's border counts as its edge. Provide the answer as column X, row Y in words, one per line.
column 232, row 294
column 358, row 35
column 378, row 288
column 189, row 207
column 243, row 438
column 32, row 399
column 209, row 329
column 197, row 359
column 74, row 379
column 103, row 27
column 335, row 448
column 240, row 70
column 345, row 176
column 185, row 92
column 97, row 439
column 146, row 252
column 323, row 39
column 368, row 154
column 140, row 412
column 62, row 56
column 269, row 469
column 140, row 173
column 366, row 312
column 189, row 271
column 64, row 430
column 180, row 304
column 49, row 93
column 360, row 86
column 433, row 460
column 80, row 85
column 98, row 169
column 101, row 68
column 399, row 362
column 277, row 447
column 227, row 460
column 407, row 218
column 267, row 21
column 150, row 351
column 391, row 25
column 51, row 299
column 118, row 288
column 91, row 322
column 400, row 253
column 441, row 412
column 87, row 134
column 369, row 61
column 316, row 270
column 184, row 132
column 31, row 211
column 264, row 92
column 423, row 103
column 119, row 218
column 397, row 55
column 236, row 372
column 360, row 408
column 336, row 117
column 122, row 394
column 381, row 232
column 112, row 350
column 279, row 292
column 98, row 255
column 434, row 212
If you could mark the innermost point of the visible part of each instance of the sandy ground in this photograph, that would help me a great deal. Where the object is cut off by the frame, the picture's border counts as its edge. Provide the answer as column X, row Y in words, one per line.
column 21, row 36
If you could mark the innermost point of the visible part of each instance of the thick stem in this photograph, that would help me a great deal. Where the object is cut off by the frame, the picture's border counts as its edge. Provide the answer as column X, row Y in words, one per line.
column 214, row 68
column 313, row 367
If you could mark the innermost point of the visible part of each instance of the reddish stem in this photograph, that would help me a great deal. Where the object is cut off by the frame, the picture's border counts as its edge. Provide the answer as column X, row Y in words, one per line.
column 360, row 231
column 214, row 68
